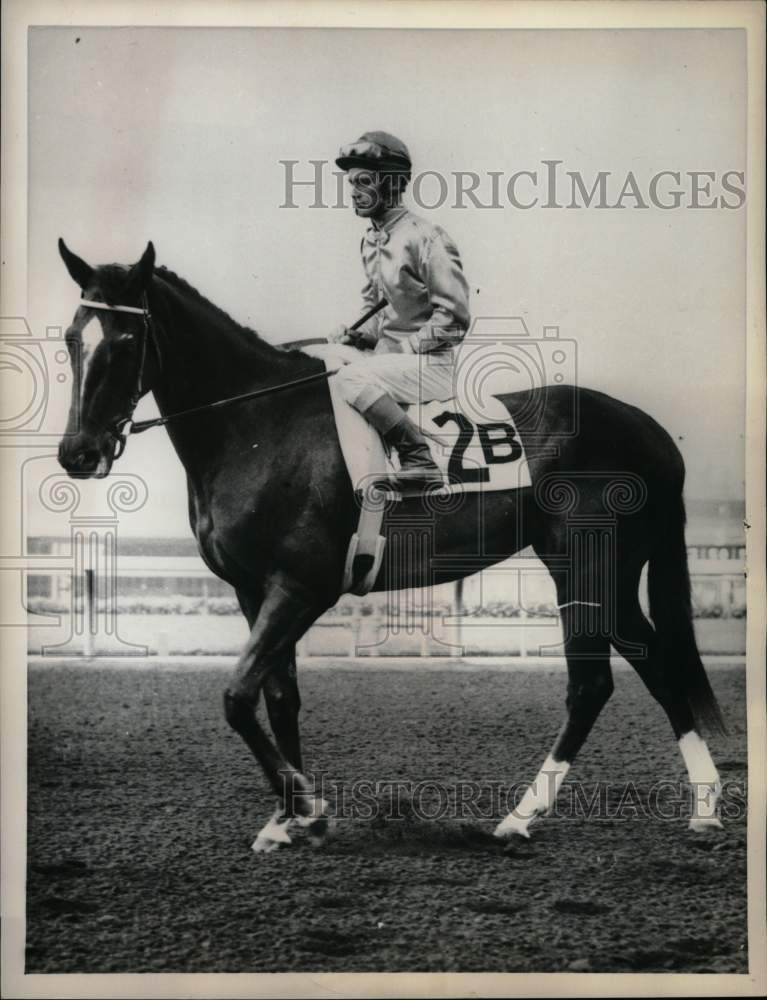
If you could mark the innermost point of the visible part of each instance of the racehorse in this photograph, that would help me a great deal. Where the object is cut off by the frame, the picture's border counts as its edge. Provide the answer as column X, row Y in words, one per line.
column 272, row 508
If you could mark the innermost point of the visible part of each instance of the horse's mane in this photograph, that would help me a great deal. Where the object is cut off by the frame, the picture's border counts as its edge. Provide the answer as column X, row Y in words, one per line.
column 248, row 336
column 176, row 281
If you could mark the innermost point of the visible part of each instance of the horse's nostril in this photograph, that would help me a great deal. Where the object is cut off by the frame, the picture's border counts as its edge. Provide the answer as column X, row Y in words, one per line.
column 80, row 458
column 87, row 459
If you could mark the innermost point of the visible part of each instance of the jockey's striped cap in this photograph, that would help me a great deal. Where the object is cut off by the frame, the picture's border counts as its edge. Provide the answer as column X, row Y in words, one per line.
column 376, row 151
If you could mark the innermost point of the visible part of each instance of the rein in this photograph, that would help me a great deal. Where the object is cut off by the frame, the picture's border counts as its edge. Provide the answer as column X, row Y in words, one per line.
column 144, row 425
column 124, row 426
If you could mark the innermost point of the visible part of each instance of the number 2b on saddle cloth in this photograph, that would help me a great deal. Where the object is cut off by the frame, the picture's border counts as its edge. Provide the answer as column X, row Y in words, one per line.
column 487, row 455
column 473, row 455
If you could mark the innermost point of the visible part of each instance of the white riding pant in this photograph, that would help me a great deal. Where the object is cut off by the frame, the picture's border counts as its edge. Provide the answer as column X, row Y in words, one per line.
column 407, row 378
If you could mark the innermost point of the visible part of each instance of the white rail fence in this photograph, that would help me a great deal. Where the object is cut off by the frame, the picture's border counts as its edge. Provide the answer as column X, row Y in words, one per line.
column 505, row 610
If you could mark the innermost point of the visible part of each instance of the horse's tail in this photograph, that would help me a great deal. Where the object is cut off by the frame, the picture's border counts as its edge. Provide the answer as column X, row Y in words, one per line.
column 668, row 584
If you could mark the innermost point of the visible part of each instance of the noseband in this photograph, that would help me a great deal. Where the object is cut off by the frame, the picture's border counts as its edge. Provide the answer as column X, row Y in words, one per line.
column 121, row 427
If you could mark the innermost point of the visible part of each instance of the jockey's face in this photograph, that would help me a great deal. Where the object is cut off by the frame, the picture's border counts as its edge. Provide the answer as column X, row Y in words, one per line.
column 372, row 193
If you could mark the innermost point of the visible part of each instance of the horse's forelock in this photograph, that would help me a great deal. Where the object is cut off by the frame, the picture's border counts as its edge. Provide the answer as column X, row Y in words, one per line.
column 110, row 280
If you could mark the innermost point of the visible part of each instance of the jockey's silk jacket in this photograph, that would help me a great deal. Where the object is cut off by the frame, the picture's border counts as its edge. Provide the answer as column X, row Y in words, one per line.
column 414, row 265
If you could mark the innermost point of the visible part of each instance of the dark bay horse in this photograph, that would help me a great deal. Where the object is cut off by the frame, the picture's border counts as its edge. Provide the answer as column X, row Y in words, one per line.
column 273, row 509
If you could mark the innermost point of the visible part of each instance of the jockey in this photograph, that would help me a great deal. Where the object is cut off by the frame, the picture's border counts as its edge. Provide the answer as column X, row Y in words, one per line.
column 415, row 266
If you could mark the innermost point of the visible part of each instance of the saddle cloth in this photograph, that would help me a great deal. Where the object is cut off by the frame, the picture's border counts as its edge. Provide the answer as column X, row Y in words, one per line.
column 473, row 455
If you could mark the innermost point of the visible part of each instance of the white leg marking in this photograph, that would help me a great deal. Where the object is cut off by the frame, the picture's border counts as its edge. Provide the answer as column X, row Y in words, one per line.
column 276, row 831
column 538, row 798
column 272, row 835
column 705, row 781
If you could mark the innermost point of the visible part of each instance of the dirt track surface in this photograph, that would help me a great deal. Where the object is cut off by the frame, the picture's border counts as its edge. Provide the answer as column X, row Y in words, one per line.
column 143, row 805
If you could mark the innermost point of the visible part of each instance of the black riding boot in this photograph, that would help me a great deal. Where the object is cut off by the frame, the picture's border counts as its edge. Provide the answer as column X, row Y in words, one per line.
column 417, row 469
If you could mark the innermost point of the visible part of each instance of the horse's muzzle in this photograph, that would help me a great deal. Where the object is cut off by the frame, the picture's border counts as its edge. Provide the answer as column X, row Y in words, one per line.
column 85, row 458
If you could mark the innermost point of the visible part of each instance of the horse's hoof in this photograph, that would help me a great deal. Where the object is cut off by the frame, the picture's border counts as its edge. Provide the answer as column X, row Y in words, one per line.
column 272, row 835
column 512, row 826
column 320, row 829
column 699, row 824
column 316, row 823
column 263, row 846
column 316, row 812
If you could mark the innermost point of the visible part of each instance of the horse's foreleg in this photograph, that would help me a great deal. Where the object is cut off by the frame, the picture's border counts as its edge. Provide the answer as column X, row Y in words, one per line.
column 590, row 684
column 283, row 704
column 282, row 618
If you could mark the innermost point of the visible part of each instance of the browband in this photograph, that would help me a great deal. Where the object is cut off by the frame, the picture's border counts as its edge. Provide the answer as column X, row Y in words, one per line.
column 123, row 309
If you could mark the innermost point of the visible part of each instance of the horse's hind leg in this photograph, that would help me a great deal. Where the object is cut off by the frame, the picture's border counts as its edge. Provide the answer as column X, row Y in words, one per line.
column 589, row 686
column 663, row 684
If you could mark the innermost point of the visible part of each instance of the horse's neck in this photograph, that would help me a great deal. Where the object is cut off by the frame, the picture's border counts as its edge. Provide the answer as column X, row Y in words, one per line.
column 207, row 351
column 205, row 357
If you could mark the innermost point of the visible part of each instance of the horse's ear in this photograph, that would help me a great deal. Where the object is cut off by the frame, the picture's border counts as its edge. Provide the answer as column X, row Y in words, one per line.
column 79, row 271
column 142, row 271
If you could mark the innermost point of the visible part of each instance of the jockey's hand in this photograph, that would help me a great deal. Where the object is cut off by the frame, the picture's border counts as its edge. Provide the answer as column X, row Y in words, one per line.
column 341, row 335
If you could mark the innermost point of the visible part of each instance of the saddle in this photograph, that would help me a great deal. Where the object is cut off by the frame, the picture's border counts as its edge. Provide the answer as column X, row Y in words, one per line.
column 475, row 451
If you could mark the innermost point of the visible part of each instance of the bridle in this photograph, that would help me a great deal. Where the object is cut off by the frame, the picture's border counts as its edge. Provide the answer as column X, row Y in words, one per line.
column 120, row 429
column 124, row 426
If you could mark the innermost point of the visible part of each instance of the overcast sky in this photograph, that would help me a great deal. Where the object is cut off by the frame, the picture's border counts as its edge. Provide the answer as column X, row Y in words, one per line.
column 176, row 135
